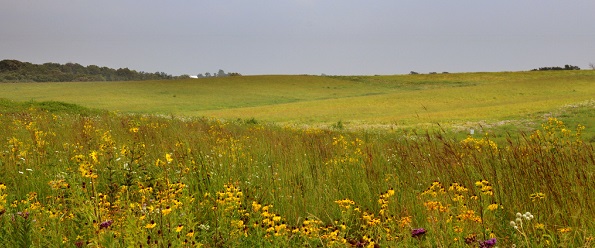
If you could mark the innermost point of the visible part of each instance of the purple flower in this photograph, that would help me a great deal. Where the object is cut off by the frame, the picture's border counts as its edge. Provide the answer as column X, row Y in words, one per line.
column 488, row 243
column 105, row 224
column 418, row 232
column 79, row 243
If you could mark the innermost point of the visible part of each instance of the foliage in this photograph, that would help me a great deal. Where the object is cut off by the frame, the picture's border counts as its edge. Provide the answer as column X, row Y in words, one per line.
column 219, row 73
column 557, row 68
column 17, row 71
column 114, row 180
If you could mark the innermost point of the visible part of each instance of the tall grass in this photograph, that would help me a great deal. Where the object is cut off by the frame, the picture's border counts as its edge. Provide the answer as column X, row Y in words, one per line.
column 115, row 180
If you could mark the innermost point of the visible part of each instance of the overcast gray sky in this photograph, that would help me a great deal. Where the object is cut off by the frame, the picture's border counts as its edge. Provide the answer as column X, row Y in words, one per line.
column 337, row 37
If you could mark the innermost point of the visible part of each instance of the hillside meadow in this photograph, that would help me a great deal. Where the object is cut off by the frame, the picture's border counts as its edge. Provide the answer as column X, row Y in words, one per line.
column 397, row 101
column 301, row 161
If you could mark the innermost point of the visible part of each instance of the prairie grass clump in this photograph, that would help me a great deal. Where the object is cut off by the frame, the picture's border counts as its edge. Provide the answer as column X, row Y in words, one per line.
column 114, row 180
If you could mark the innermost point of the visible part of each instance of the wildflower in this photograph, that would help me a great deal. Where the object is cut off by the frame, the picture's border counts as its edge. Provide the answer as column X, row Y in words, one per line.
column 277, row 218
column 493, row 206
column 105, row 224
column 485, row 187
column 79, row 243
column 190, row 233
column 488, row 243
column 418, row 232
column 166, row 211
column 179, row 228
column 564, row 230
column 469, row 215
column 25, row 215
column 390, row 192
column 537, row 196
column 256, row 206
column 471, row 238
column 528, row 216
column 405, row 221
column 151, row 225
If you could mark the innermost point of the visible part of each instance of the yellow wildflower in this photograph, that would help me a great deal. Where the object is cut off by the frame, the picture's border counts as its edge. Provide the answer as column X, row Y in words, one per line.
column 537, row 196
column 405, row 221
column 151, row 225
column 166, row 211
column 493, row 206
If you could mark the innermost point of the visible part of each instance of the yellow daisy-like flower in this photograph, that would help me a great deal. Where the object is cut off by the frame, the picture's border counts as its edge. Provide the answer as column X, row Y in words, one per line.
column 190, row 233
column 493, row 206
column 391, row 192
column 405, row 221
column 166, row 211
column 179, row 228
column 168, row 158
column 151, row 225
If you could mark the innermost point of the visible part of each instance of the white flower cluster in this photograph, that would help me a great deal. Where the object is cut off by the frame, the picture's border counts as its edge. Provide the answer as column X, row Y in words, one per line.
column 518, row 223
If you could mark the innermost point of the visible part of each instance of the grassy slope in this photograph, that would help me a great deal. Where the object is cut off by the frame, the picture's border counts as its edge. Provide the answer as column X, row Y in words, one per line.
column 402, row 99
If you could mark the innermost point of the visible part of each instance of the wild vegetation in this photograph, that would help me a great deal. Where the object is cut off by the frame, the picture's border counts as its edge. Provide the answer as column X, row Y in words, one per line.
column 74, row 177
column 557, row 68
column 441, row 160
column 17, row 71
column 455, row 101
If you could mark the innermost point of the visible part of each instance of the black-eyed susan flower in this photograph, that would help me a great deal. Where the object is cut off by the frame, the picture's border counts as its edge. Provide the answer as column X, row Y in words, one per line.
column 151, row 225
column 166, row 211
column 493, row 206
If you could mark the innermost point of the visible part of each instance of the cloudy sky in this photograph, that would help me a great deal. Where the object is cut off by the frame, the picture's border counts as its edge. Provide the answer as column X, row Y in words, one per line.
column 338, row 37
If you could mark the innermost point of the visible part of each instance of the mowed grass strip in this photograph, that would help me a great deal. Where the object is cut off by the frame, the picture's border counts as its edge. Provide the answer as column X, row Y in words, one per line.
column 402, row 99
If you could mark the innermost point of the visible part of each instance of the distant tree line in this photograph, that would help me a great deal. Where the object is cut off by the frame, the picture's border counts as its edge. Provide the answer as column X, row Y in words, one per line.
column 17, row 71
column 219, row 73
column 557, row 68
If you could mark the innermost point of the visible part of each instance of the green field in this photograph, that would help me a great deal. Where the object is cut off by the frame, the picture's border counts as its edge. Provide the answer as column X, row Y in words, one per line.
column 301, row 161
column 313, row 100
